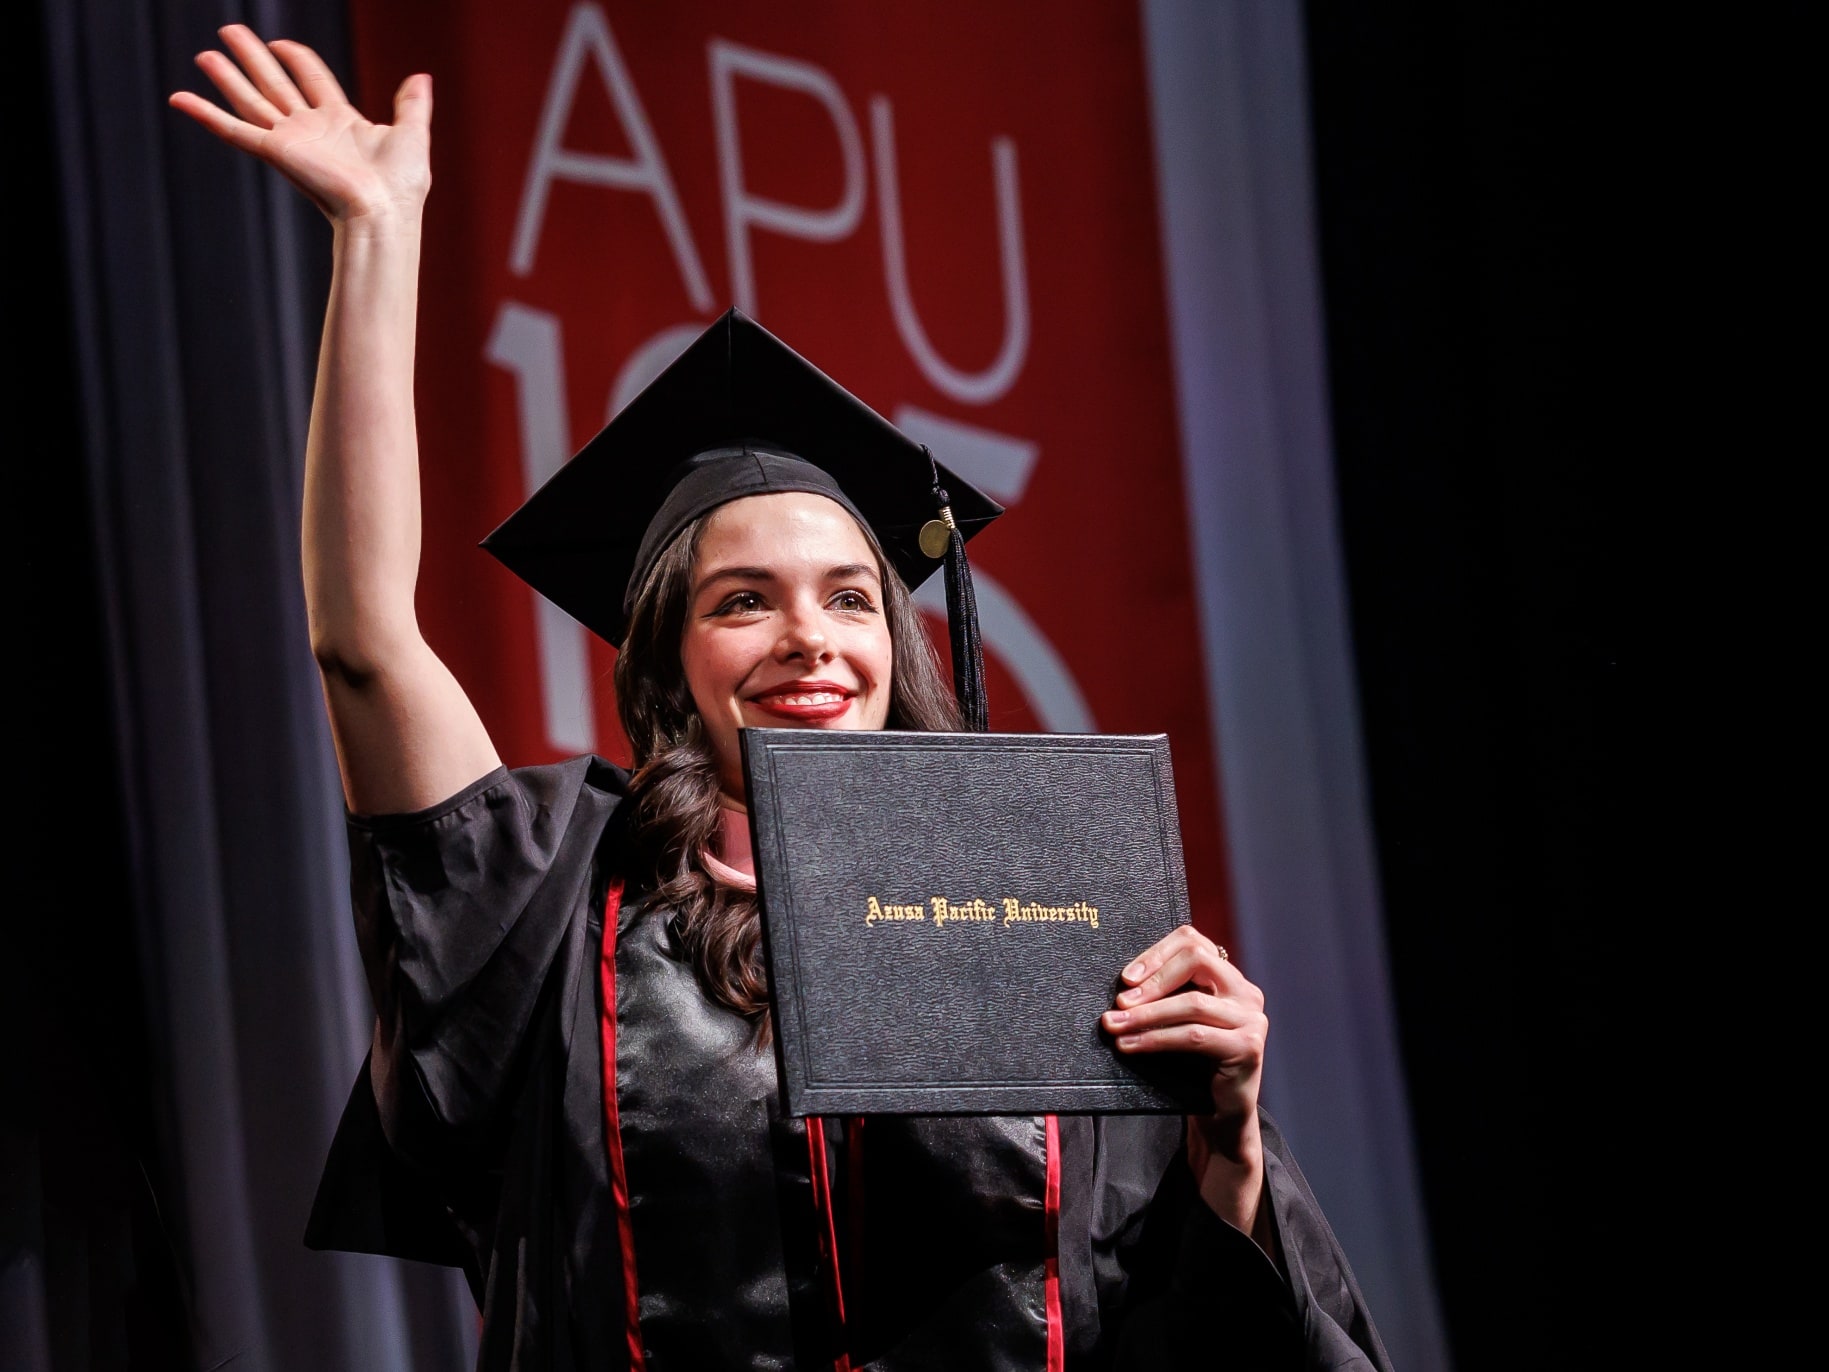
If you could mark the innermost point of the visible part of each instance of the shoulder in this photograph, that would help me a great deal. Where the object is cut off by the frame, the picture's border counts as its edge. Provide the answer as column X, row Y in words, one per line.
column 505, row 831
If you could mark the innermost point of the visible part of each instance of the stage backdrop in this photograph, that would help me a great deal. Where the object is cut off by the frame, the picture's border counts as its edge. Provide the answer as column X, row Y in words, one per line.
column 1070, row 246
column 968, row 243
column 1071, row 249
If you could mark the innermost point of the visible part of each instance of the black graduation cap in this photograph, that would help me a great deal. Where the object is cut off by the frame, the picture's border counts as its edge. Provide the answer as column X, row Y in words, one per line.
column 740, row 413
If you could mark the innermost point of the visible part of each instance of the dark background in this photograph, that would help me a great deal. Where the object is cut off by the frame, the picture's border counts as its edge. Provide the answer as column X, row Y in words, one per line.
column 1464, row 209
column 1562, row 274
column 1572, row 356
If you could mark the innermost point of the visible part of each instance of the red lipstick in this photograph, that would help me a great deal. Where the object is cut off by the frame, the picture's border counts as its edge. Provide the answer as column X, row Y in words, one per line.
column 805, row 702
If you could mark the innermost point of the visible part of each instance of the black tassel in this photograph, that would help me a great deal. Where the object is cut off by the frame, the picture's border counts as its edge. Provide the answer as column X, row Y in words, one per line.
column 962, row 621
column 968, row 643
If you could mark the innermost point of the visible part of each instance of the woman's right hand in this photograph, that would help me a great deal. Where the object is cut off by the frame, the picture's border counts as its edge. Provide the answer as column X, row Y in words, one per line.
column 406, row 735
column 294, row 116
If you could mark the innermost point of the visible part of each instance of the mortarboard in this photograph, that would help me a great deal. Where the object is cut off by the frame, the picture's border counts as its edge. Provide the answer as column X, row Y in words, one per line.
column 740, row 413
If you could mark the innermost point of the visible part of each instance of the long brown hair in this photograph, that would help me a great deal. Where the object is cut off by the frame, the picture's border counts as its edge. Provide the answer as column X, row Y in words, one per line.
column 675, row 787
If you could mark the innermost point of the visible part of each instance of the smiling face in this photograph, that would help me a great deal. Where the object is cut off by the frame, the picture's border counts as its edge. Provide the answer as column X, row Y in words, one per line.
column 785, row 625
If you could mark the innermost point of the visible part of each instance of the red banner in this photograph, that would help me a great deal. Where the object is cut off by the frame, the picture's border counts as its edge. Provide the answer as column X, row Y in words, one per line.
column 949, row 207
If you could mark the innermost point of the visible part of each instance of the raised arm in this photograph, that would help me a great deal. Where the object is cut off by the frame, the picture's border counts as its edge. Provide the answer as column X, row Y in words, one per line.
column 406, row 734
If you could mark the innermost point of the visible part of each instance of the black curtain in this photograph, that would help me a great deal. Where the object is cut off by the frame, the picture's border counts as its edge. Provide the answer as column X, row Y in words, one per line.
column 1470, row 503
column 192, row 1014
column 1563, row 255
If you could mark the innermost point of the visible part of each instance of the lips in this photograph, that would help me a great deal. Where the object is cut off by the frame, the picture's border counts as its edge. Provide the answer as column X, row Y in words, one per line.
column 804, row 702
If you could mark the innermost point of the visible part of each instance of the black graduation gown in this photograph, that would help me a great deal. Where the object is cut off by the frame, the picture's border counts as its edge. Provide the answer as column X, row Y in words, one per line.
column 476, row 1136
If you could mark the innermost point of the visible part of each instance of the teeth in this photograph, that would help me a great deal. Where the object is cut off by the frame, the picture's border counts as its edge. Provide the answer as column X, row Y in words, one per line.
column 816, row 698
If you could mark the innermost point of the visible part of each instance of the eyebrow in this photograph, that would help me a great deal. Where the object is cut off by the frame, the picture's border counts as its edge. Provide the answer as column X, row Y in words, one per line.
column 844, row 572
column 735, row 574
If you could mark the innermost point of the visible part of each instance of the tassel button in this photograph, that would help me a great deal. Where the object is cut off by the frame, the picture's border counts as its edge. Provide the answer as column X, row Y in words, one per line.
column 935, row 535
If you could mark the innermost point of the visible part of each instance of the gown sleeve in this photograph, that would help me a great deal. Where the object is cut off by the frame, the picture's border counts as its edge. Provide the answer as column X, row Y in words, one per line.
column 1182, row 1288
column 462, row 912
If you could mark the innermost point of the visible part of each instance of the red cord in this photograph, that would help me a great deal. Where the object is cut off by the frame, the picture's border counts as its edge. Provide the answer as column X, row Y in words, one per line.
column 828, row 1232
column 1051, row 1210
column 612, row 1133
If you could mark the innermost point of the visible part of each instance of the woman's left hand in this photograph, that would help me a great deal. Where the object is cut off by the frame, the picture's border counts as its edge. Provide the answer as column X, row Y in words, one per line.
column 1185, row 995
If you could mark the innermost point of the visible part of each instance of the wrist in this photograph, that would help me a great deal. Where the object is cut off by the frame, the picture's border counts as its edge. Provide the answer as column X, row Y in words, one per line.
column 1235, row 1192
column 1227, row 1160
column 387, row 223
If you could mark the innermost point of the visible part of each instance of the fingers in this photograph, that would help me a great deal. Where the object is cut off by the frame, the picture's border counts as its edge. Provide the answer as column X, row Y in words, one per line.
column 262, row 68
column 243, row 98
column 1239, row 1046
column 1151, row 959
column 413, row 102
column 237, row 133
column 269, row 96
column 1227, row 1045
column 1191, row 1007
column 1230, row 1033
column 315, row 81
column 1185, row 956
column 1232, row 1030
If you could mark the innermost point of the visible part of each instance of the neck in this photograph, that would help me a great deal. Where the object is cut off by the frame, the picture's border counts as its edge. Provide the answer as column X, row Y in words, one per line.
column 731, row 846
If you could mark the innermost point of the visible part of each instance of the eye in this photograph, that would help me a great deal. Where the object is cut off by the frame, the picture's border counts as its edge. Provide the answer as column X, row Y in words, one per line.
column 852, row 602
column 740, row 603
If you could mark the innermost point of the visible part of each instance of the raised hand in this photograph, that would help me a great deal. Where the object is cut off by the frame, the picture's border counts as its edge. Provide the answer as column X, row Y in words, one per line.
column 406, row 734
column 294, row 116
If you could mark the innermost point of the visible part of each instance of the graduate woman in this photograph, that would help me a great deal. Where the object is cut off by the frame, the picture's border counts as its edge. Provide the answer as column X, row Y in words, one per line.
column 569, row 1092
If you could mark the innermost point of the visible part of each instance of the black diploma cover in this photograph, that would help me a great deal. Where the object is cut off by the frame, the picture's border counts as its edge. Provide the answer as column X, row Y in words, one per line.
column 946, row 915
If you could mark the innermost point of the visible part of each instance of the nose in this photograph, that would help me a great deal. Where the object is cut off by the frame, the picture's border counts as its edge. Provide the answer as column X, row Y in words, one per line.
column 803, row 635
